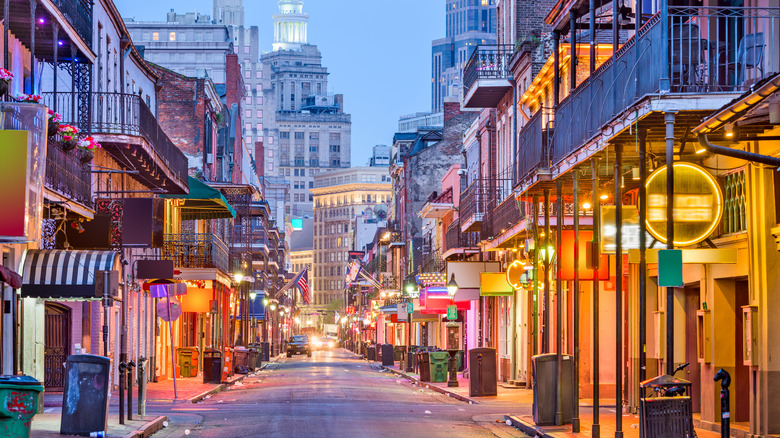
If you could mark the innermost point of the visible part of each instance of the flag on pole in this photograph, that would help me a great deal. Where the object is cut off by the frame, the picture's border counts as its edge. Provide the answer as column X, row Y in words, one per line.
column 303, row 284
column 336, row 317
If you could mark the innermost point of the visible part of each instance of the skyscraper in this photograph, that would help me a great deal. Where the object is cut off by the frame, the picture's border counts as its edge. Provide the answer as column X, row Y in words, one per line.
column 469, row 24
column 305, row 130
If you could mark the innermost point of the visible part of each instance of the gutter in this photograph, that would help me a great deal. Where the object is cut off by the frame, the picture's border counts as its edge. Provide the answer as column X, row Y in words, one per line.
column 737, row 153
column 739, row 107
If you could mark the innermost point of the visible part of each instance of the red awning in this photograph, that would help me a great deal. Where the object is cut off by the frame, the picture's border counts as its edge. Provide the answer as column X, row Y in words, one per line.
column 10, row 277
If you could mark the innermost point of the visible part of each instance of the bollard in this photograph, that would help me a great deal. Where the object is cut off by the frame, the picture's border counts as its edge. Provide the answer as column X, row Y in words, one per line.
column 122, row 369
column 130, row 366
column 142, row 386
column 725, row 413
column 479, row 373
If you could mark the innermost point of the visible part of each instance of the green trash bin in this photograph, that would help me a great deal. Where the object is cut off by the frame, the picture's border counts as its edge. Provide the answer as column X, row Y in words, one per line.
column 18, row 404
column 439, row 368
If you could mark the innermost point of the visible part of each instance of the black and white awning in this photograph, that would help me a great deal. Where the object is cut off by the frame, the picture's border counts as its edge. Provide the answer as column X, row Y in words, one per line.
column 65, row 274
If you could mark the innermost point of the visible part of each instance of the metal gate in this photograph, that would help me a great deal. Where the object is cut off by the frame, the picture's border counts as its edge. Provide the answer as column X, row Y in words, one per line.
column 57, row 345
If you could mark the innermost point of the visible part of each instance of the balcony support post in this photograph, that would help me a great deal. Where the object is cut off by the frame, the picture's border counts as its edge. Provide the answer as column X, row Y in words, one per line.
column 33, row 7
column 546, row 261
column 619, row 364
column 669, row 119
column 642, row 254
column 572, row 51
column 558, row 306
column 665, row 82
column 615, row 28
column 55, row 28
column 7, row 32
column 73, row 88
column 556, row 71
column 638, row 12
column 592, row 19
column 596, row 429
column 535, row 281
column 575, row 420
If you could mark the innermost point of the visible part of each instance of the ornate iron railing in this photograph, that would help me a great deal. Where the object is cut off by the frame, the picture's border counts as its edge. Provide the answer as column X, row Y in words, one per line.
column 67, row 175
column 454, row 238
column 196, row 250
column 487, row 62
column 79, row 15
column 532, row 147
column 499, row 219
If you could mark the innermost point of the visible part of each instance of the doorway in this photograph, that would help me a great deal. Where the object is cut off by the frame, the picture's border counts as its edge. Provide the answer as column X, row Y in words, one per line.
column 57, row 345
column 692, row 294
column 740, row 381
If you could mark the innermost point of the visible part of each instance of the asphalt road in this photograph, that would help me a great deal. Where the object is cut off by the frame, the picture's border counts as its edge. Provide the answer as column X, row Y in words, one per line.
column 331, row 394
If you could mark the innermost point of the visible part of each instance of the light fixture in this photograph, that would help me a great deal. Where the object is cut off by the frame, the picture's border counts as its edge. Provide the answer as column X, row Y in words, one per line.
column 586, row 205
column 238, row 277
column 252, row 295
column 698, row 148
column 273, row 306
column 297, row 320
column 265, row 302
column 635, row 174
column 410, row 285
column 452, row 286
column 728, row 130
column 548, row 253
column 604, row 197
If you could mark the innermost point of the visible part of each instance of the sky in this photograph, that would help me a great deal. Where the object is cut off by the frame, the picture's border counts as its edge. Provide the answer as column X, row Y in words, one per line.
column 378, row 53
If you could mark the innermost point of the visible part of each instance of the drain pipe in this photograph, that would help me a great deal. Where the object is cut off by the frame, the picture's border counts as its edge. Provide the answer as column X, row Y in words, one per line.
column 737, row 153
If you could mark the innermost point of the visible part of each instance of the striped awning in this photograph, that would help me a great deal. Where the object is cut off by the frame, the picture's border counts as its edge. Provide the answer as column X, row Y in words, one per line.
column 65, row 274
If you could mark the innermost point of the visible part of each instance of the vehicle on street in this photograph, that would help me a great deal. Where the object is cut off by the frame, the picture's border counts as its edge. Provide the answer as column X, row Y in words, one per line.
column 298, row 344
column 323, row 343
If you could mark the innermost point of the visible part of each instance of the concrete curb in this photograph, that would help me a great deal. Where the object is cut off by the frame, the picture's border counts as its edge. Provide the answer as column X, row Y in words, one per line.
column 219, row 388
column 148, row 429
column 438, row 389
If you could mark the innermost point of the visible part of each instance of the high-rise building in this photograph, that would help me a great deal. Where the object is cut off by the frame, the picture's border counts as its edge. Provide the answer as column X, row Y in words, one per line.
column 339, row 197
column 469, row 24
column 306, row 130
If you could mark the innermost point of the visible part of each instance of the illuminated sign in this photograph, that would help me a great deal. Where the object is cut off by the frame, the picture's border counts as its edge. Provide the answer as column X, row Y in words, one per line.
column 514, row 274
column 297, row 224
column 698, row 204
column 630, row 229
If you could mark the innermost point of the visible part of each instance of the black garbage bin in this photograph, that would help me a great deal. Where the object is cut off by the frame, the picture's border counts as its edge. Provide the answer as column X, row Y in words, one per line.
column 212, row 366
column 545, row 375
column 266, row 356
column 85, row 395
column 371, row 352
column 424, row 364
column 379, row 352
column 670, row 417
column 482, row 372
column 387, row 355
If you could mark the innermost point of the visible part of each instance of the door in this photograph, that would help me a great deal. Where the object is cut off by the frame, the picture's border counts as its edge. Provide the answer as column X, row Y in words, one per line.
column 57, row 345
column 691, row 352
column 740, row 380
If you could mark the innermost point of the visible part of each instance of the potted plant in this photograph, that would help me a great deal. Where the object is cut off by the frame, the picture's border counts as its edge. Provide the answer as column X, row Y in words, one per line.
column 69, row 134
column 54, row 123
column 88, row 145
column 5, row 79
column 28, row 98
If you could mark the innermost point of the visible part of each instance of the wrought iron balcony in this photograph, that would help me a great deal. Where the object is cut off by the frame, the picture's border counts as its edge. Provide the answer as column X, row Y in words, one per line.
column 473, row 205
column 79, row 14
column 196, row 250
column 533, row 150
column 116, row 114
column 67, row 175
column 486, row 76
column 456, row 239
column 501, row 218
column 710, row 50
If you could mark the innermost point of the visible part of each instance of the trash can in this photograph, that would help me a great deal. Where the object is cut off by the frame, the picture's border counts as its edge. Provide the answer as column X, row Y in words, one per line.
column 482, row 372
column 459, row 364
column 212, row 366
column 85, row 395
column 255, row 355
column 439, row 365
column 188, row 362
column 665, row 416
column 388, row 357
column 398, row 352
column 424, row 364
column 545, row 375
column 19, row 395
column 228, row 357
column 371, row 352
column 252, row 359
column 240, row 360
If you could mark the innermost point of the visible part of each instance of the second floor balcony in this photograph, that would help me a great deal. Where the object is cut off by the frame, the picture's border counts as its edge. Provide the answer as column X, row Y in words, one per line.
column 533, row 152
column 456, row 241
column 486, row 76
column 196, row 250
column 127, row 129
column 66, row 175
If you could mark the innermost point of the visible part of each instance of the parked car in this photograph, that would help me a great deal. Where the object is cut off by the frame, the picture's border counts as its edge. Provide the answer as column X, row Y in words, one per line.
column 298, row 344
column 323, row 343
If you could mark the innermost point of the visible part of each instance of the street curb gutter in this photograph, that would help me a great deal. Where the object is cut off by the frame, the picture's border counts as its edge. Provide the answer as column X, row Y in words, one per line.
column 525, row 427
column 438, row 389
column 148, row 429
column 219, row 388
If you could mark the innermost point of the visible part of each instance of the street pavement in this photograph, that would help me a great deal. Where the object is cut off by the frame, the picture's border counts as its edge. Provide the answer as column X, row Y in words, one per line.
column 331, row 394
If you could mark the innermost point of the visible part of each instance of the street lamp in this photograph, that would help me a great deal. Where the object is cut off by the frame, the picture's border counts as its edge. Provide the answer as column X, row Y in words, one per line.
column 452, row 287
column 452, row 349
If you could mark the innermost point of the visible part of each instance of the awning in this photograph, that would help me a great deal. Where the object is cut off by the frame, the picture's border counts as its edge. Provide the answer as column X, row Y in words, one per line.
column 391, row 309
column 203, row 202
column 65, row 274
column 10, row 277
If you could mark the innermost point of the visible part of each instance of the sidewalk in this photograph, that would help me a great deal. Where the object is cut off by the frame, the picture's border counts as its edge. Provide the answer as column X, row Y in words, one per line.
column 188, row 390
column 509, row 399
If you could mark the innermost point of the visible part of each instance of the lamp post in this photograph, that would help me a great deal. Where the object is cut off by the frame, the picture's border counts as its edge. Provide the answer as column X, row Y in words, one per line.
column 452, row 348
column 410, row 286
column 252, row 296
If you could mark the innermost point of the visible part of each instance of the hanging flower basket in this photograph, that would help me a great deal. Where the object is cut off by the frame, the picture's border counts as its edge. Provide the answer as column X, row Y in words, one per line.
column 28, row 98
column 69, row 134
column 5, row 79
column 88, row 146
column 86, row 156
column 54, row 123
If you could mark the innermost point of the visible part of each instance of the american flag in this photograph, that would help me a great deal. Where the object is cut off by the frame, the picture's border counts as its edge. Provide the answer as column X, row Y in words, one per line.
column 303, row 285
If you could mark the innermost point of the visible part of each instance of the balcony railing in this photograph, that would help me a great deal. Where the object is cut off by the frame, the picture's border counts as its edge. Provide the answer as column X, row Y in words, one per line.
column 710, row 50
column 499, row 219
column 532, row 147
column 196, row 250
column 455, row 238
column 473, row 203
column 117, row 113
column 67, row 175
column 487, row 62
column 432, row 261
column 79, row 14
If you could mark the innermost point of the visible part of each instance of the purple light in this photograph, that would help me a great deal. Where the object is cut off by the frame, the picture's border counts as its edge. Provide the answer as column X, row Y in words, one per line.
column 41, row 20
column 60, row 43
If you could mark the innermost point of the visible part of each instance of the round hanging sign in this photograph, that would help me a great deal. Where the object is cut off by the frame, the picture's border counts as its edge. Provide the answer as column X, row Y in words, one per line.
column 698, row 204
column 169, row 312
column 514, row 274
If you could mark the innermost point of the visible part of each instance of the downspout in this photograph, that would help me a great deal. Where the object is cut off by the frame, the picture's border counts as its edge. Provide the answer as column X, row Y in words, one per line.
column 740, row 154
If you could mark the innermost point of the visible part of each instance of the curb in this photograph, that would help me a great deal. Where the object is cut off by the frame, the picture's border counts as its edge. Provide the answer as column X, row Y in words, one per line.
column 524, row 427
column 148, row 429
column 219, row 388
column 438, row 389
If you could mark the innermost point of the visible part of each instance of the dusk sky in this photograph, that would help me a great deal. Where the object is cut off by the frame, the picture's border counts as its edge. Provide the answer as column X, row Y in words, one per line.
column 378, row 54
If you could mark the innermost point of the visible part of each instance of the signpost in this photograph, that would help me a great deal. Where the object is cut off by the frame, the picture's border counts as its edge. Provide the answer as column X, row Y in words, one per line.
column 410, row 308
column 452, row 312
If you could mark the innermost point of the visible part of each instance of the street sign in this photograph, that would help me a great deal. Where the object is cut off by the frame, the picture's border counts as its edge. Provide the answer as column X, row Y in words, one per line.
column 169, row 312
column 670, row 268
column 409, row 308
column 452, row 312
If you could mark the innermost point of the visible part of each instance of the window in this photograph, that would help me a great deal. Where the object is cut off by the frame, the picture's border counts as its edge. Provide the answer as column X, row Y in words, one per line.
column 271, row 167
column 248, row 100
column 259, row 127
column 172, row 36
column 248, row 114
column 284, row 135
column 248, row 139
column 270, row 152
column 248, row 127
column 246, row 50
column 259, row 74
column 270, row 140
column 259, row 114
column 311, row 184
column 248, row 74
column 155, row 36
column 259, row 100
column 299, row 135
